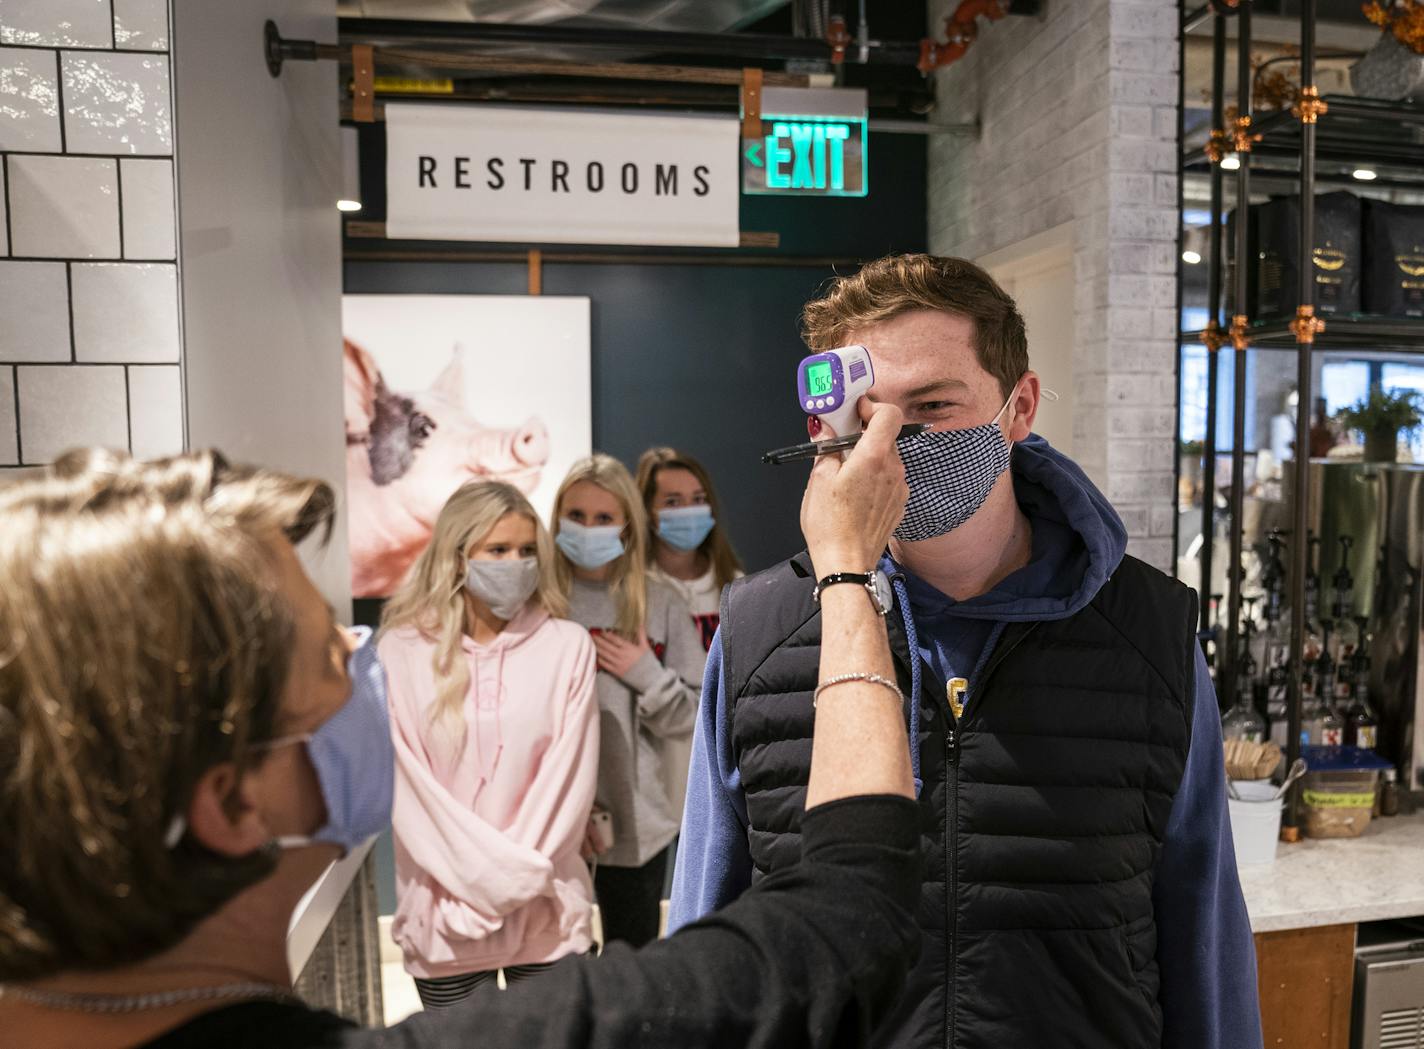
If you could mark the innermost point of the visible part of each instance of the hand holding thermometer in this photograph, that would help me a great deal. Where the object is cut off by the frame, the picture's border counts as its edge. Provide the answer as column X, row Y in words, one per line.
column 829, row 386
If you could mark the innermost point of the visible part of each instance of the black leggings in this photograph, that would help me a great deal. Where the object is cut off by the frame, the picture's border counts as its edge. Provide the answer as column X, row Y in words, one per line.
column 630, row 898
column 446, row 991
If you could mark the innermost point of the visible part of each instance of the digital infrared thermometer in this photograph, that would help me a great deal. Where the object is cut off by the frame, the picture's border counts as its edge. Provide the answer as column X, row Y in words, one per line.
column 830, row 385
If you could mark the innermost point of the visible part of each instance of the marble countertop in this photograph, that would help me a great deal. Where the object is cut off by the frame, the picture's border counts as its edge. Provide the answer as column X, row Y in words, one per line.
column 1376, row 876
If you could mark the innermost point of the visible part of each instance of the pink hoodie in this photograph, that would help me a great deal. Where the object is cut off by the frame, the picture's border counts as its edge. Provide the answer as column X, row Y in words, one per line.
column 488, row 827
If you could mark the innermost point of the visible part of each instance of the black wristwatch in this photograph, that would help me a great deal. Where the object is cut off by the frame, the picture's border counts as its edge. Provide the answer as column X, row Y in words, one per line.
column 865, row 579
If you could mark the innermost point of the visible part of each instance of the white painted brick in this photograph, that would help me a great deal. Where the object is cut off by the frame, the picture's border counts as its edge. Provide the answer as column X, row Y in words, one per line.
column 1131, row 456
column 1157, row 89
column 1138, row 154
column 1153, row 21
column 1164, row 123
column 1155, row 552
column 1143, row 224
column 1164, row 520
column 1164, row 190
column 1137, row 487
column 1141, row 355
column 1134, row 188
column 1141, row 422
column 1135, row 519
column 1130, row 54
column 1130, row 322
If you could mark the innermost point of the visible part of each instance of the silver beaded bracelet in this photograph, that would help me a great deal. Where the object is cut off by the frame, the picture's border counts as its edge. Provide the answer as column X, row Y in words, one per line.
column 841, row 679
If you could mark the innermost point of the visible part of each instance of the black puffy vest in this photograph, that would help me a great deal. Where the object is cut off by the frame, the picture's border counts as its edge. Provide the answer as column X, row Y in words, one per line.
column 1043, row 810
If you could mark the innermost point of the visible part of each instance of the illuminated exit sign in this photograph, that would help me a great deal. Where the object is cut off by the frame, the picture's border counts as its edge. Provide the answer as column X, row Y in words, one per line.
column 812, row 144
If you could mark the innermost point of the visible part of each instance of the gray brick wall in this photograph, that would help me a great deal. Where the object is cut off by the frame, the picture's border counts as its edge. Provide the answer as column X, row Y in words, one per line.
column 90, row 342
column 1079, row 127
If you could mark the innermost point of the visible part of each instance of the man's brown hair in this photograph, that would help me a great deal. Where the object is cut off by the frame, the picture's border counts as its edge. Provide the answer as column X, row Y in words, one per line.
column 143, row 640
column 898, row 284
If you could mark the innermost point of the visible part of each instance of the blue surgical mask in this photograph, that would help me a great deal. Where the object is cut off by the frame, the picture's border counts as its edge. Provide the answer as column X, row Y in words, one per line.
column 684, row 527
column 353, row 756
column 587, row 546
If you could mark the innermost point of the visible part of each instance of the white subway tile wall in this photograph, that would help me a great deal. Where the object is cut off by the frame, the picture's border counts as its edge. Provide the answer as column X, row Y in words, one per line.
column 56, row 23
column 116, row 103
column 64, row 207
column 125, row 312
column 155, row 410
column 90, row 339
column 141, row 25
column 34, row 312
column 9, row 439
column 29, row 101
column 65, row 406
column 148, row 208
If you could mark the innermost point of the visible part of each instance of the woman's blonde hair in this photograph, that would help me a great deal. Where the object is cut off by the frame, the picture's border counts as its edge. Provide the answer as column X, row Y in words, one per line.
column 726, row 565
column 628, row 575
column 432, row 597
column 144, row 639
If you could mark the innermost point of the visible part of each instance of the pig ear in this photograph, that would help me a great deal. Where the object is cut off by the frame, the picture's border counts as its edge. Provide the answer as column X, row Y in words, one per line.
column 363, row 379
column 451, row 382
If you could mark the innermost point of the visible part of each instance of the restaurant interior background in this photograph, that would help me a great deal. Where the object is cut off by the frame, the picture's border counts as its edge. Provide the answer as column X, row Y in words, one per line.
column 172, row 267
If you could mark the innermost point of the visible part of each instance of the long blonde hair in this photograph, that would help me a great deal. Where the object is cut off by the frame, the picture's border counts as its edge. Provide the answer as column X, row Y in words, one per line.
column 628, row 575
column 431, row 599
column 726, row 565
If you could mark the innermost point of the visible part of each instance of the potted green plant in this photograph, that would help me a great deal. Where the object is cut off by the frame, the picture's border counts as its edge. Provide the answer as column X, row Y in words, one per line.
column 1381, row 417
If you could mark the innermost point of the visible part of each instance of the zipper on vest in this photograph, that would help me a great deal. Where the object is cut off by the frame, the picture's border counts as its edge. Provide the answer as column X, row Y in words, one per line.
column 951, row 817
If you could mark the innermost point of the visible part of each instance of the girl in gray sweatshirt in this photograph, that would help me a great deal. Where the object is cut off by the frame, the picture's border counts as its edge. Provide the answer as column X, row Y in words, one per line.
column 650, row 663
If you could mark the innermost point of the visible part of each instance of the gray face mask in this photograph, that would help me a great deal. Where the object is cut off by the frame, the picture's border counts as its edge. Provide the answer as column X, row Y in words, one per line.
column 504, row 586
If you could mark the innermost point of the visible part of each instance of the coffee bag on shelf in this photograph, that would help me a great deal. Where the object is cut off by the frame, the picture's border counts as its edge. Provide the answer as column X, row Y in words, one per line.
column 1394, row 259
column 1335, row 261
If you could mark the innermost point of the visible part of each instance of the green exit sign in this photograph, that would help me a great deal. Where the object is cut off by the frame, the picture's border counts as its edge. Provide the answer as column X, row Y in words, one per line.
column 820, row 153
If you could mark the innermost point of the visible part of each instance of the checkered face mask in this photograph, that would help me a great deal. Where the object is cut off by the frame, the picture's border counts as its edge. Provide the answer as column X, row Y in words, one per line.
column 950, row 473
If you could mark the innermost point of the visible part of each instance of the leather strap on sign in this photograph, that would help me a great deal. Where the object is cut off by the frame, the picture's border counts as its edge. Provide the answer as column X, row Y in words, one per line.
column 363, row 83
column 751, row 103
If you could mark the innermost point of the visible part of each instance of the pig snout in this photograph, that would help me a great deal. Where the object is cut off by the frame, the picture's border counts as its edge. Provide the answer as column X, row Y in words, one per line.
column 499, row 451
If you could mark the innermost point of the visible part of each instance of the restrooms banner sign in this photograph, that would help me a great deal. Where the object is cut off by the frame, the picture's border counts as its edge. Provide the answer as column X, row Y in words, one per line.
column 487, row 173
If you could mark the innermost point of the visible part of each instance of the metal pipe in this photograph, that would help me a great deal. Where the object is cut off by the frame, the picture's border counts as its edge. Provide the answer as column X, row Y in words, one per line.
column 758, row 46
column 1238, row 405
column 1213, row 306
column 1305, row 337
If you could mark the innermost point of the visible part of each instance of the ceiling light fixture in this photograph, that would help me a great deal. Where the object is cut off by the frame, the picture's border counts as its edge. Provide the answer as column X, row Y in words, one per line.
column 348, row 205
column 1230, row 163
column 1191, row 258
column 1365, row 174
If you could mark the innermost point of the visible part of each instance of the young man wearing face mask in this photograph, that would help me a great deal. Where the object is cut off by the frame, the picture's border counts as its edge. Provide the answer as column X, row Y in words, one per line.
column 1081, row 887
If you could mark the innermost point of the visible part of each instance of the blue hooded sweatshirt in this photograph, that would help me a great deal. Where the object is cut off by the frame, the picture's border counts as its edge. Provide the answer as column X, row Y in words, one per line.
column 1204, row 947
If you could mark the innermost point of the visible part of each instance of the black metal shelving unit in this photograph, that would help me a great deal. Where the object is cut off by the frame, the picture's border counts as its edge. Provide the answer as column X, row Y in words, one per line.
column 1317, row 138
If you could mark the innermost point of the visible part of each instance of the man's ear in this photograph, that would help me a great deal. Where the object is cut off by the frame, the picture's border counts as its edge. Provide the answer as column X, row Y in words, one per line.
column 1023, row 409
column 223, row 815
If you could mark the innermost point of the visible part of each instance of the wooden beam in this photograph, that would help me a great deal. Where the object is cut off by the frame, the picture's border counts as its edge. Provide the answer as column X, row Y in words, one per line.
column 536, row 272
column 363, row 230
column 596, row 70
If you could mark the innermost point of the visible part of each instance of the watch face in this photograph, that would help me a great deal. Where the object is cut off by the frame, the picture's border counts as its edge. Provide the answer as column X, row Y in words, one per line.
column 884, row 590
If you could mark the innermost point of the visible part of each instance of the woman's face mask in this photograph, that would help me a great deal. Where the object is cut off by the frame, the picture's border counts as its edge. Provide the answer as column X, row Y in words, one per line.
column 353, row 756
column 504, row 586
column 590, row 546
column 950, row 473
column 685, row 527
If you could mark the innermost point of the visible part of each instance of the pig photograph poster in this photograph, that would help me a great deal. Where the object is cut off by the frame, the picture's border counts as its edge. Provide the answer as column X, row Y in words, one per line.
column 445, row 389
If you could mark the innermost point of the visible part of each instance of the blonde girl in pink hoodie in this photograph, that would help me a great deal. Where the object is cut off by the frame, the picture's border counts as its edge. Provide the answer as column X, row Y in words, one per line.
column 496, row 733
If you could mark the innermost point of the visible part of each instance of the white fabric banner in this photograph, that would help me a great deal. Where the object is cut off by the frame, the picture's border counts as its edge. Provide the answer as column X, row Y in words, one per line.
column 490, row 173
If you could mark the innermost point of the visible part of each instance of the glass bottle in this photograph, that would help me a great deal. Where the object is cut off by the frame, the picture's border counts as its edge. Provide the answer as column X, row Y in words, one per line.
column 1277, row 684
column 1389, row 793
column 1332, row 726
column 1342, row 602
column 1361, row 725
column 1311, row 599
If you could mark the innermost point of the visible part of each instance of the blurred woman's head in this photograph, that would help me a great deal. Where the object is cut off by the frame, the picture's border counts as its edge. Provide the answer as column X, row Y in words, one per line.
column 681, row 503
column 484, row 530
column 601, row 528
column 157, row 631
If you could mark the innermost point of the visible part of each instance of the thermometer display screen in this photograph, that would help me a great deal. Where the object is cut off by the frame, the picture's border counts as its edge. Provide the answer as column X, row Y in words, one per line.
column 818, row 379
